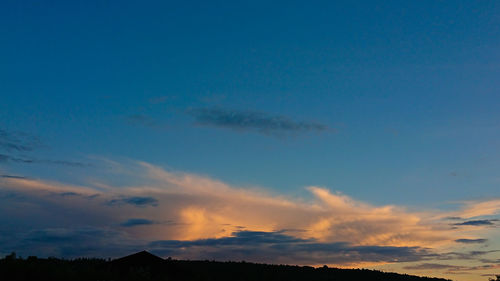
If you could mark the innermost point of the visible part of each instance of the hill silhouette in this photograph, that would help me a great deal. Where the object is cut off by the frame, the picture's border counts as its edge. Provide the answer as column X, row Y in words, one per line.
column 146, row 266
column 143, row 258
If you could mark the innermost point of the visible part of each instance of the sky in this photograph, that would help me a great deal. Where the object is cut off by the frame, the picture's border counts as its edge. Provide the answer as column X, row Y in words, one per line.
column 345, row 133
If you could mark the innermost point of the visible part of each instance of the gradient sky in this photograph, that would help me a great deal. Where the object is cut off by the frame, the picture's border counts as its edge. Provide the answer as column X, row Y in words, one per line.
column 348, row 133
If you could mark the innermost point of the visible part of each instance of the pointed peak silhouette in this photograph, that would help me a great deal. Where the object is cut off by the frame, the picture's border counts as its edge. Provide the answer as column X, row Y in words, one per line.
column 143, row 258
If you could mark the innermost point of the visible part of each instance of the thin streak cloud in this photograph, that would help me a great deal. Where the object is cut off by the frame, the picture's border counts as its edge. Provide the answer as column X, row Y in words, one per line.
column 136, row 201
column 471, row 241
column 9, row 158
column 260, row 122
column 136, row 222
column 477, row 222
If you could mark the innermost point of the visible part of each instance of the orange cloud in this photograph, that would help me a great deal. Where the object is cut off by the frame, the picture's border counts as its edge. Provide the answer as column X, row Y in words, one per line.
column 187, row 207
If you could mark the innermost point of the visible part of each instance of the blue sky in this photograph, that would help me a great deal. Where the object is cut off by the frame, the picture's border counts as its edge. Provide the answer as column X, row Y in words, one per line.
column 390, row 103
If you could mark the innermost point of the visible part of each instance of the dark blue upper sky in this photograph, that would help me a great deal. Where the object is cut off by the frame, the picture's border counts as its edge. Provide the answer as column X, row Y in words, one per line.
column 387, row 101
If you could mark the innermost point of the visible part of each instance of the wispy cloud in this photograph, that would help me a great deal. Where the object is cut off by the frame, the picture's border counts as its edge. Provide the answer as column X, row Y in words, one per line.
column 471, row 241
column 13, row 144
column 433, row 266
column 260, row 122
column 477, row 222
column 18, row 141
column 136, row 222
column 9, row 158
column 13, row 177
column 452, row 268
column 136, row 201
column 479, row 208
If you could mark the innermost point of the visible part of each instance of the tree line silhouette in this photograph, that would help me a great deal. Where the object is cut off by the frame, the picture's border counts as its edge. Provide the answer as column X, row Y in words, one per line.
column 146, row 266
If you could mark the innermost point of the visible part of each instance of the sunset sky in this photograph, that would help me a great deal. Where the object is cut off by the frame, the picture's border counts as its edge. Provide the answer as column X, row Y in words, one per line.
column 345, row 133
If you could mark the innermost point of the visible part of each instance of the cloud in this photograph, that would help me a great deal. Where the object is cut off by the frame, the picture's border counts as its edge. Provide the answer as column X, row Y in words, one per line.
column 260, row 122
column 471, row 241
column 477, row 222
column 69, row 194
column 480, row 208
column 432, row 266
column 497, row 261
column 72, row 242
column 248, row 238
column 12, row 177
column 18, row 141
column 136, row 222
column 277, row 247
column 7, row 158
column 64, row 163
column 451, row 268
column 136, row 200
column 466, row 255
column 216, row 220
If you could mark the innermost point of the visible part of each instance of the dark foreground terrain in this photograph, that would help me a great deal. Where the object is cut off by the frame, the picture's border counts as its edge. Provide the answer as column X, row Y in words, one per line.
column 145, row 266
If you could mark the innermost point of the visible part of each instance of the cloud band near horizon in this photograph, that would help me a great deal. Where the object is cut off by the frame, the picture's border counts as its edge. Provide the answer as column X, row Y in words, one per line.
column 209, row 219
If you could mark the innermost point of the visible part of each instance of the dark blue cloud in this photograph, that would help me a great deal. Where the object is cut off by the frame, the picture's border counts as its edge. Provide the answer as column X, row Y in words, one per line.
column 18, row 141
column 276, row 247
column 240, row 238
column 69, row 194
column 254, row 246
column 477, row 222
column 471, row 241
column 454, row 218
column 10, row 158
column 136, row 222
column 63, row 163
column 135, row 200
column 253, row 121
column 75, row 194
column 78, row 242
column 12, row 177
